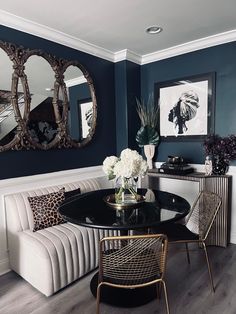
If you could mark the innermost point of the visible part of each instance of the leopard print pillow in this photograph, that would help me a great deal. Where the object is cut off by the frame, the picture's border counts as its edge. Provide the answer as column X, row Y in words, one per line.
column 45, row 209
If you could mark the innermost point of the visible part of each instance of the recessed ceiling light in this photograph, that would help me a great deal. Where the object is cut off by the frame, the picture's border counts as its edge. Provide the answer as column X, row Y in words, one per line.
column 49, row 89
column 154, row 30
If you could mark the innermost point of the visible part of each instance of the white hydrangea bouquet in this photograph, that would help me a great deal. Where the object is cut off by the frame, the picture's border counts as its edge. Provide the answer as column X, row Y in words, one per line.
column 125, row 169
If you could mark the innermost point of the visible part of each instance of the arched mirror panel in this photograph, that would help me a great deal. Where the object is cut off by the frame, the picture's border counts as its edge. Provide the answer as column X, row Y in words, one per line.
column 42, row 124
column 10, row 117
column 82, row 106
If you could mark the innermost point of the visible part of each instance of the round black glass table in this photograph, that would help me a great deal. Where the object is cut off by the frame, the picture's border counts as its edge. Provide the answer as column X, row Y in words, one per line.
column 91, row 210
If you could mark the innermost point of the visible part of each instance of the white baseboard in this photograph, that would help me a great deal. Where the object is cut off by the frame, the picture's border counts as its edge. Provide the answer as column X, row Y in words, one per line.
column 4, row 266
column 233, row 237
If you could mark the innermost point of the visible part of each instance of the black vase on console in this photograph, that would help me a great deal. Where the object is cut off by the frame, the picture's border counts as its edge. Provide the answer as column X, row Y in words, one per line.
column 220, row 166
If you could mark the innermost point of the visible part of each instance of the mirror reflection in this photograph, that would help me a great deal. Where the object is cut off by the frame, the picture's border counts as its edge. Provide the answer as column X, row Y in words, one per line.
column 42, row 125
column 8, row 122
column 81, row 109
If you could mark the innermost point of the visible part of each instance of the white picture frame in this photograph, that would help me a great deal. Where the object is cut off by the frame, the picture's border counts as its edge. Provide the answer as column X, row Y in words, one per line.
column 186, row 107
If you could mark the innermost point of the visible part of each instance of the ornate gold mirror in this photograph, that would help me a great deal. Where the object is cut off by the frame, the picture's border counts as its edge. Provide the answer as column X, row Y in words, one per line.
column 50, row 101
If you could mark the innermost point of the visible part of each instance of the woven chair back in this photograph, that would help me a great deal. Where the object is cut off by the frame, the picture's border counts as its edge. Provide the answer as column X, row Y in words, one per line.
column 133, row 260
column 203, row 213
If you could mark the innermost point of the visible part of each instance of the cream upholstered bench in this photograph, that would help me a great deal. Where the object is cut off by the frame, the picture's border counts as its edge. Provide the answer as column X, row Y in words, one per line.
column 51, row 258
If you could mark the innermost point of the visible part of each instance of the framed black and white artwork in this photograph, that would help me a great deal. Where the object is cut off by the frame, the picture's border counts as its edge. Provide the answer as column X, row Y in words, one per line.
column 186, row 107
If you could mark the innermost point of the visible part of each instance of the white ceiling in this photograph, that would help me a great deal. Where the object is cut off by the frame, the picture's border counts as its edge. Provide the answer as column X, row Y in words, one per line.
column 111, row 28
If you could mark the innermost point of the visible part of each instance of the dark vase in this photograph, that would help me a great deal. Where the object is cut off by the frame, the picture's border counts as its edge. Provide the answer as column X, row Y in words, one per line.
column 220, row 166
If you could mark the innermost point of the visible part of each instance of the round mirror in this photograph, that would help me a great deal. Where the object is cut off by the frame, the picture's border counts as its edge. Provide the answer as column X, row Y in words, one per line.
column 42, row 123
column 82, row 106
column 8, row 107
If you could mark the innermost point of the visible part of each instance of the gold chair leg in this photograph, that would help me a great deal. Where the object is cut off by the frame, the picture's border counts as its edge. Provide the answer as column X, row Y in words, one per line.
column 187, row 251
column 166, row 297
column 98, row 299
column 209, row 267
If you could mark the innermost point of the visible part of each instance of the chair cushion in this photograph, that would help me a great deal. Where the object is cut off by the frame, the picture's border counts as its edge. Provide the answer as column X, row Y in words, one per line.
column 177, row 232
column 72, row 193
column 45, row 209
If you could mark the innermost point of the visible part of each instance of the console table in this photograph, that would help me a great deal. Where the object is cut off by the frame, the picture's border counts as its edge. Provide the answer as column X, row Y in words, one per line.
column 222, row 185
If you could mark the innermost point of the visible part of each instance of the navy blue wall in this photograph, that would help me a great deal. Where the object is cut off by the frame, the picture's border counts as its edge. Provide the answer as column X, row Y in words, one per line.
column 134, row 89
column 121, row 106
column 127, row 86
column 21, row 163
column 220, row 59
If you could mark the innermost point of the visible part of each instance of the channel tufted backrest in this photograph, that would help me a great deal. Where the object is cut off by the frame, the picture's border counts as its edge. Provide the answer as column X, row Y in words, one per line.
column 18, row 212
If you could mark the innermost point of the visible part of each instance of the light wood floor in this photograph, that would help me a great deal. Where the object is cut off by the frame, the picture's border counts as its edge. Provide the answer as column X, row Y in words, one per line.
column 188, row 289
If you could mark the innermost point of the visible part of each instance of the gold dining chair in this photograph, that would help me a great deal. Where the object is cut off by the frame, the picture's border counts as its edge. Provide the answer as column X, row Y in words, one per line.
column 132, row 262
column 197, row 225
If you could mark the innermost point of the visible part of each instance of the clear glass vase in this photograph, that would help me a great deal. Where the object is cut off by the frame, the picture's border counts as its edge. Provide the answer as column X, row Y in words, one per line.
column 125, row 190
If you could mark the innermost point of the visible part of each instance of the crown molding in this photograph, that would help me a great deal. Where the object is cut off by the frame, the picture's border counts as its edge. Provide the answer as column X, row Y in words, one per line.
column 191, row 46
column 120, row 55
column 30, row 27
column 127, row 55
